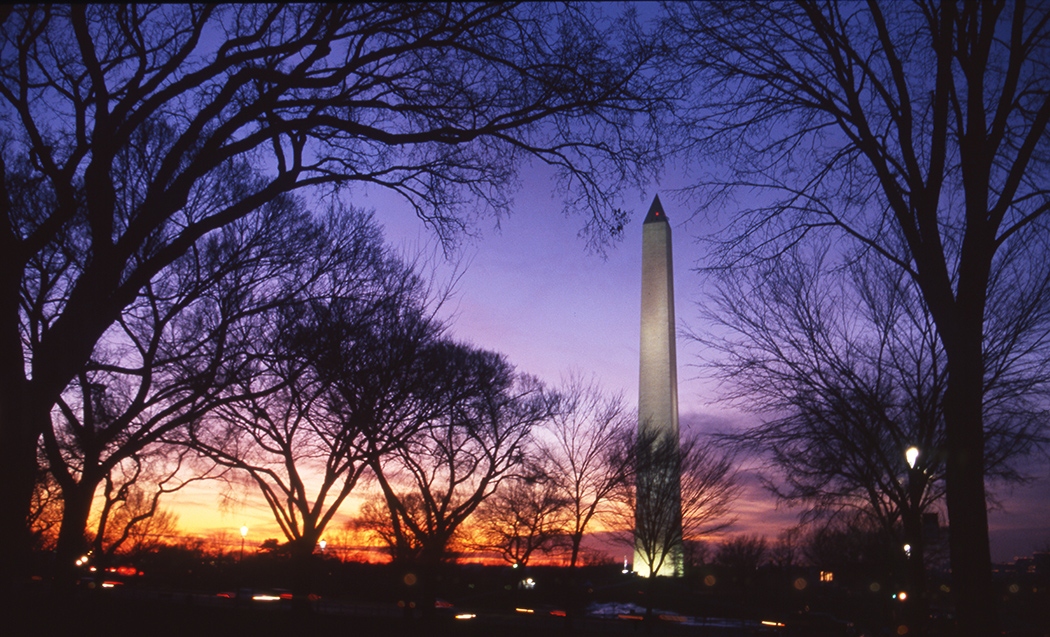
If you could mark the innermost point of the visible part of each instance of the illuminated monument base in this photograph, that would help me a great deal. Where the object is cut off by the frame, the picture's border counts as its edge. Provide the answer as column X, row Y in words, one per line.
column 658, row 509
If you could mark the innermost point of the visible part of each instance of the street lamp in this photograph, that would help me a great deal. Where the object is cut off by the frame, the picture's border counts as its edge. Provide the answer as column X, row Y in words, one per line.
column 244, row 534
column 911, row 455
column 322, row 544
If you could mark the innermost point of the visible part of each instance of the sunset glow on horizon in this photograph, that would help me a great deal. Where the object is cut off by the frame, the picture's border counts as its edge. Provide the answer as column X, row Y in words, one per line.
column 530, row 290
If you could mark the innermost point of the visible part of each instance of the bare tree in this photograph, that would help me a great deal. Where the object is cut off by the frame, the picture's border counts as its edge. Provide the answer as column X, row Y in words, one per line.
column 130, row 498
column 291, row 450
column 436, row 479
column 709, row 488
column 743, row 554
column 137, row 525
column 847, row 368
column 847, row 372
column 699, row 506
column 179, row 350
column 675, row 513
column 785, row 551
column 581, row 452
column 522, row 517
column 131, row 132
column 45, row 514
column 374, row 518
column 919, row 131
column 338, row 380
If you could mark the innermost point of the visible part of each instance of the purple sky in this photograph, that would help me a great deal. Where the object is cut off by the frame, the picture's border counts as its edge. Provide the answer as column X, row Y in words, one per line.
column 532, row 291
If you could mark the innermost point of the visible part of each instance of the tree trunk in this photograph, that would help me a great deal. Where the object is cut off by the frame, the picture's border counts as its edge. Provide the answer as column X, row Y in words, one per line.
column 302, row 554
column 76, row 508
column 429, row 565
column 18, row 464
column 577, row 539
column 971, row 560
column 18, row 468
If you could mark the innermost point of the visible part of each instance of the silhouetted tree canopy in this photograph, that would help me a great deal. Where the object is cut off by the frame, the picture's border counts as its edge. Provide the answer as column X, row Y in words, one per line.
column 334, row 375
column 916, row 130
column 181, row 350
column 435, row 479
column 691, row 486
column 522, row 517
column 583, row 451
column 844, row 366
column 132, row 132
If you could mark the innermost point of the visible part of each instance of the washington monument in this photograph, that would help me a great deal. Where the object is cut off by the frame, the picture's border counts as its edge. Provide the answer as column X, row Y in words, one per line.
column 658, row 509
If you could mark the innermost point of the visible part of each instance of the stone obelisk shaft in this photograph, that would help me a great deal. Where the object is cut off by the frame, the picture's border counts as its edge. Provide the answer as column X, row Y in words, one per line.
column 658, row 530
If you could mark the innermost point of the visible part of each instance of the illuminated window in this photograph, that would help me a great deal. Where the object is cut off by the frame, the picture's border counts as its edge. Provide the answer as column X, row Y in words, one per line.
column 827, row 576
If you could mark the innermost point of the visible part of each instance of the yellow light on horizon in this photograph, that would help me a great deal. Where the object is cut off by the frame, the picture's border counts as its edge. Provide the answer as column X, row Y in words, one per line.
column 266, row 598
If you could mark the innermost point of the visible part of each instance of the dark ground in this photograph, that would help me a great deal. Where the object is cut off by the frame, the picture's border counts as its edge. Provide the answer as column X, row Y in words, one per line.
column 203, row 597
column 118, row 616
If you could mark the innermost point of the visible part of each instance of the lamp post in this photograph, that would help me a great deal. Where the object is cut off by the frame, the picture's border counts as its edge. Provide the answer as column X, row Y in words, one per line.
column 244, row 534
column 912, row 518
column 322, row 544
